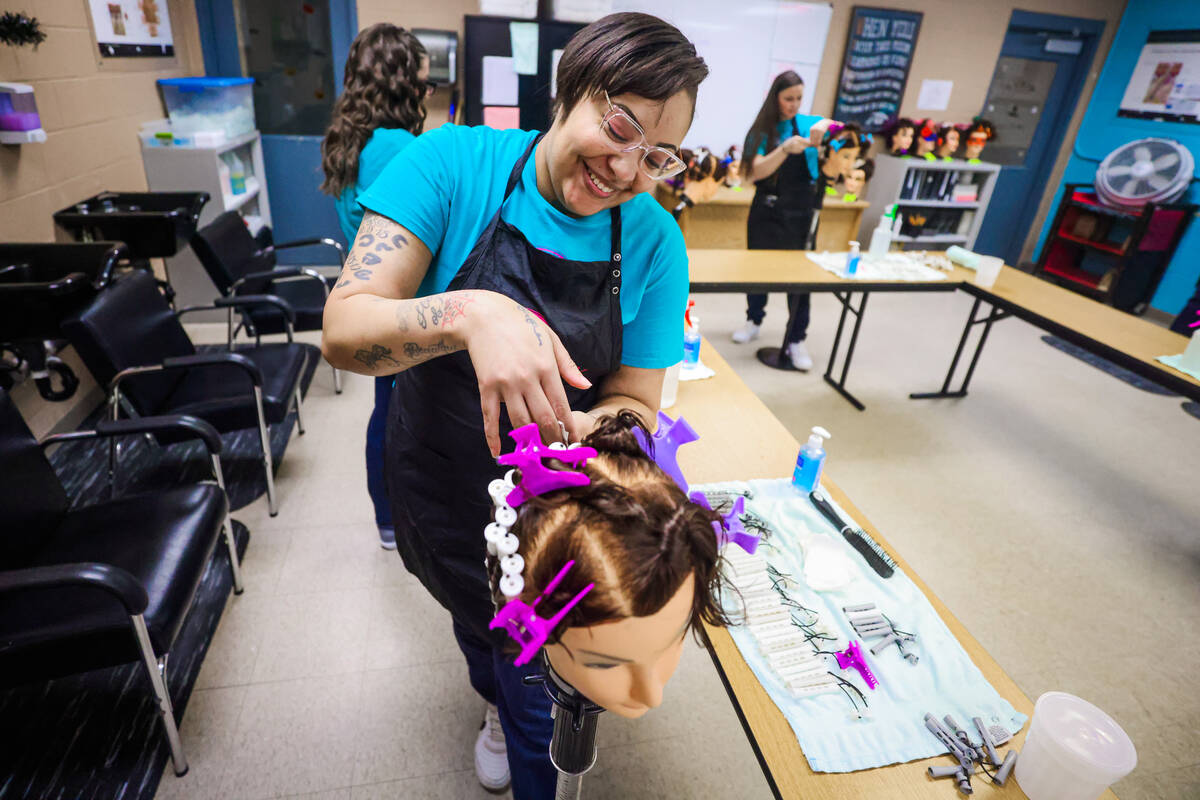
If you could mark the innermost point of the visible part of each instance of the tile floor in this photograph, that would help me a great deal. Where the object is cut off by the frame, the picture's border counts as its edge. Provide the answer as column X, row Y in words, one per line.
column 1054, row 510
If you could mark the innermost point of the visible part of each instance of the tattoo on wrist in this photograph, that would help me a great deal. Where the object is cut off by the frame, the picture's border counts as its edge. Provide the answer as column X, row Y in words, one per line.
column 533, row 323
column 376, row 354
column 437, row 312
column 416, row 352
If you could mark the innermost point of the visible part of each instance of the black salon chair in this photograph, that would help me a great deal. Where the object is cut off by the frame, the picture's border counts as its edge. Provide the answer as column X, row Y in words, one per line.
column 105, row 584
column 133, row 343
column 239, row 265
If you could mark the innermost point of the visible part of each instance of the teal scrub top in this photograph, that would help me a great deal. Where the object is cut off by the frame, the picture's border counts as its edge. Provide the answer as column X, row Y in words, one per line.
column 804, row 123
column 447, row 185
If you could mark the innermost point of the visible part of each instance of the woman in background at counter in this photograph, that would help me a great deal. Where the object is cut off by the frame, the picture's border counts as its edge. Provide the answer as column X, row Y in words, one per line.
column 780, row 159
column 381, row 109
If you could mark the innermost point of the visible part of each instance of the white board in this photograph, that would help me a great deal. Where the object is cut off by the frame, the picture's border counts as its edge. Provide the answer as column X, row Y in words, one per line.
column 745, row 43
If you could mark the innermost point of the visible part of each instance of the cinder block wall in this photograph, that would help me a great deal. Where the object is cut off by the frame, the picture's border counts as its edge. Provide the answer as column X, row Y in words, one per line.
column 91, row 110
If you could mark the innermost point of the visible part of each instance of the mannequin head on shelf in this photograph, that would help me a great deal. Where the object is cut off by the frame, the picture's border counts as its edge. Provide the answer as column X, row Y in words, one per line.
column 856, row 179
column 948, row 139
column 978, row 134
column 926, row 138
column 840, row 149
column 650, row 551
column 899, row 136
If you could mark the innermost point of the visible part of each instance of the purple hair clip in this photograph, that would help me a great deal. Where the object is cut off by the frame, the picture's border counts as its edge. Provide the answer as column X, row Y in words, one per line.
column 730, row 529
column 521, row 622
column 852, row 658
column 536, row 477
column 664, row 449
column 834, row 127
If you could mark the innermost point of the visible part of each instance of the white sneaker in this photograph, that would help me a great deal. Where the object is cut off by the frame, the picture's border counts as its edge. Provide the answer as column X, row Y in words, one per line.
column 491, row 753
column 798, row 353
column 387, row 537
column 747, row 333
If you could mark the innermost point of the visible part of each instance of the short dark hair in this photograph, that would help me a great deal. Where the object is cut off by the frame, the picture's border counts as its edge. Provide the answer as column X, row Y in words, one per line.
column 628, row 53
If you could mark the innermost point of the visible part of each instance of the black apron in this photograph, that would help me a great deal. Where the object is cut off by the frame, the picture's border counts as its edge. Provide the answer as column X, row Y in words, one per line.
column 781, row 213
column 437, row 462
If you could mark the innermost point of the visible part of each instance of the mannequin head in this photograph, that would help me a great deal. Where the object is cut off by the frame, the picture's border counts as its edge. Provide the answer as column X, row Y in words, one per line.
column 856, row 179
column 978, row 134
column 899, row 136
column 840, row 149
column 652, row 555
column 948, row 139
column 926, row 137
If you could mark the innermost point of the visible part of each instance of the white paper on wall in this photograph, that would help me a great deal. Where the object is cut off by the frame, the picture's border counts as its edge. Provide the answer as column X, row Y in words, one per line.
column 499, row 81
column 935, row 95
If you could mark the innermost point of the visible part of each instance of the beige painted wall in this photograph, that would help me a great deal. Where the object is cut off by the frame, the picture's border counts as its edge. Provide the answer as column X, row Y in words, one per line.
column 91, row 110
column 960, row 41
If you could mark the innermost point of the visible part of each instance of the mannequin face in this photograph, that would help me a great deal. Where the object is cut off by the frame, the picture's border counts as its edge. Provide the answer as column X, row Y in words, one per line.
column 789, row 101
column 854, row 180
column 950, row 144
column 975, row 143
column 624, row 665
column 925, row 146
column 575, row 151
column 903, row 140
column 839, row 162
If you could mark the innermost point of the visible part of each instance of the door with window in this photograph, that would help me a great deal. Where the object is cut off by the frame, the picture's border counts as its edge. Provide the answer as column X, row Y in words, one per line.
column 1037, row 82
column 296, row 53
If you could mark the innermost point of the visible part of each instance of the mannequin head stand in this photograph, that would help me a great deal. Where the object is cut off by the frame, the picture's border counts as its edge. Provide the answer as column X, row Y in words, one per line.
column 573, row 743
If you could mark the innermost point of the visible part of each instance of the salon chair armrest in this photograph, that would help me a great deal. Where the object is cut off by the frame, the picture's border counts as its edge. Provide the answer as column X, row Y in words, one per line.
column 175, row 427
column 279, row 274
column 323, row 241
column 114, row 580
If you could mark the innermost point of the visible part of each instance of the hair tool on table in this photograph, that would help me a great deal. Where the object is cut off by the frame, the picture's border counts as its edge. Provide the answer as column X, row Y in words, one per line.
column 859, row 539
column 959, row 743
column 869, row 623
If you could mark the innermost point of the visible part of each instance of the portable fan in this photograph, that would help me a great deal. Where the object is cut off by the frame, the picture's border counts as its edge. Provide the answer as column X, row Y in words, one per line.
column 1144, row 171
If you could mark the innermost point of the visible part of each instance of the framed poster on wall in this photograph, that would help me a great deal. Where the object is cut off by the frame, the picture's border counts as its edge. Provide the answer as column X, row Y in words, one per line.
column 879, row 52
column 132, row 27
column 1165, row 84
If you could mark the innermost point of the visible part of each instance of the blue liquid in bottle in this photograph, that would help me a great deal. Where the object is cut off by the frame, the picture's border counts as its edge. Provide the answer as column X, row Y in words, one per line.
column 810, row 462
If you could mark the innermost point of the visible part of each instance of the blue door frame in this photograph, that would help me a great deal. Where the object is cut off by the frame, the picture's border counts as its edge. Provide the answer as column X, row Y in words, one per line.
column 1019, row 189
column 293, row 163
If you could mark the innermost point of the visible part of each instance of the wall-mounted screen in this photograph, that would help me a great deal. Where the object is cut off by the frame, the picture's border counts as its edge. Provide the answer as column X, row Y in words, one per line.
column 1165, row 83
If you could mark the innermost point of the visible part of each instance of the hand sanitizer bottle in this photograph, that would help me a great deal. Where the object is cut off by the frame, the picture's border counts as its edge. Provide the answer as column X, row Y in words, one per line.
column 691, row 342
column 881, row 237
column 852, row 258
column 811, row 461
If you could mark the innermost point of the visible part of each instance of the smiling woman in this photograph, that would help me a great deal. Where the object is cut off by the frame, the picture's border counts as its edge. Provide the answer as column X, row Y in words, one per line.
column 508, row 277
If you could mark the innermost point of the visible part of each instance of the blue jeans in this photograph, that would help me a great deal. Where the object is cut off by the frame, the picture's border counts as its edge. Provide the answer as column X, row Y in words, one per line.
column 376, row 428
column 524, row 713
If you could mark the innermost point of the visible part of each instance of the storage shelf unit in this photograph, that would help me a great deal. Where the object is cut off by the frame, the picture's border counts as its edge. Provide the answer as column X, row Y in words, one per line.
column 201, row 169
column 1114, row 255
column 928, row 215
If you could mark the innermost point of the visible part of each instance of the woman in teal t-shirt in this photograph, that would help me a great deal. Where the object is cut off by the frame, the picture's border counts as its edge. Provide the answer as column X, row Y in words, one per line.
column 491, row 268
column 381, row 109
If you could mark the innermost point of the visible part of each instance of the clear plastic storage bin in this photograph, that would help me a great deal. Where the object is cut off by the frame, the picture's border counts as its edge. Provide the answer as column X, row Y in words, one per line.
column 210, row 104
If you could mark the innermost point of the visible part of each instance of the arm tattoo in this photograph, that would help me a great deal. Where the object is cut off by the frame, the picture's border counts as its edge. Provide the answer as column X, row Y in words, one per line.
column 375, row 232
column 529, row 318
column 376, row 354
column 416, row 353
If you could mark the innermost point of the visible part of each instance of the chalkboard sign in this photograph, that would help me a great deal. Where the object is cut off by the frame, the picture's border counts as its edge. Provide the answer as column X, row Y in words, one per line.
column 879, row 52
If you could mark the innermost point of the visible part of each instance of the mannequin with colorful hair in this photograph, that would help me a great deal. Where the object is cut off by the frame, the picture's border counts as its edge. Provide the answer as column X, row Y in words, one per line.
column 978, row 134
column 898, row 136
column 926, row 140
column 949, row 136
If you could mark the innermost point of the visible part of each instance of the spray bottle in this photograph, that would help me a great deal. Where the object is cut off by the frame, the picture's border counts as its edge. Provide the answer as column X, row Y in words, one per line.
column 691, row 336
column 881, row 237
column 811, row 461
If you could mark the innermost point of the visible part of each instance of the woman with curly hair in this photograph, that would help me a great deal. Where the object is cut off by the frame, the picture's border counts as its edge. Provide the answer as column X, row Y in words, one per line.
column 381, row 109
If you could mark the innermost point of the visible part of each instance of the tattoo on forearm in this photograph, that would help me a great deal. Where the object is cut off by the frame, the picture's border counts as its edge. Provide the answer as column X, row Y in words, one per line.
column 376, row 354
column 377, row 233
column 416, row 352
column 454, row 307
column 533, row 323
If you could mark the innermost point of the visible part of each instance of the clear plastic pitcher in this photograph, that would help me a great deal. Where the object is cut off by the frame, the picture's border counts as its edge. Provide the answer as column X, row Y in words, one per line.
column 1074, row 751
